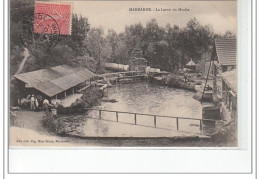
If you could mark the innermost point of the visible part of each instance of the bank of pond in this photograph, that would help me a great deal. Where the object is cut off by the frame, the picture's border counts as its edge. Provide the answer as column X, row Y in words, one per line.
column 71, row 120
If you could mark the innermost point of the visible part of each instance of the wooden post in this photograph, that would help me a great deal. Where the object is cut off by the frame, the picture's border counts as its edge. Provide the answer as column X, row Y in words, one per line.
column 205, row 83
column 226, row 97
column 200, row 125
column 73, row 90
column 177, row 123
column 116, row 116
column 214, row 78
column 135, row 119
column 154, row 121
column 223, row 89
column 99, row 114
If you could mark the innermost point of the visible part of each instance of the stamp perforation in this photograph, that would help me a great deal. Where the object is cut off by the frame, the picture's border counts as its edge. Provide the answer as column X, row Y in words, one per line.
column 68, row 30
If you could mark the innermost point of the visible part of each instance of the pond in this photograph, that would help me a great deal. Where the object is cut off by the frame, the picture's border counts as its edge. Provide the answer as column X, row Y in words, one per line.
column 145, row 98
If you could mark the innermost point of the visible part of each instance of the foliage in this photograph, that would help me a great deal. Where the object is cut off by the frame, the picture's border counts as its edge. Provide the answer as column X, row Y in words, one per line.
column 68, row 115
column 167, row 48
column 19, row 9
column 225, row 135
column 176, row 81
column 87, row 62
column 88, row 100
column 49, row 121
column 67, row 51
column 98, row 47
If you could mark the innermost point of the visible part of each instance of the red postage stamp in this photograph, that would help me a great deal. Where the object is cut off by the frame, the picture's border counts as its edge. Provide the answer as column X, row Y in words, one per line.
column 52, row 18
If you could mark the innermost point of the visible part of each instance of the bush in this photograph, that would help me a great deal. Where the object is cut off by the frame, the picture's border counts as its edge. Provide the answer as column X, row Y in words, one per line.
column 63, row 125
column 48, row 121
column 175, row 81
column 87, row 100
column 64, row 122
column 225, row 135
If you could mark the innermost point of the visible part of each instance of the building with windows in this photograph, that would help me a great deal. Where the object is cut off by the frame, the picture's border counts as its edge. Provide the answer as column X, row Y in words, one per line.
column 224, row 53
column 229, row 91
column 224, row 61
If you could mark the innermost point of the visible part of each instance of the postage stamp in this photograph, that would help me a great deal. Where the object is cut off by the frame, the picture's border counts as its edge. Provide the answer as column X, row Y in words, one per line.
column 47, row 28
column 46, row 24
column 50, row 12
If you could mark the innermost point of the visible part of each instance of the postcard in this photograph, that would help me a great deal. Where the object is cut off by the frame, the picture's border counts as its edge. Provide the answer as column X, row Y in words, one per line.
column 129, row 86
column 123, row 73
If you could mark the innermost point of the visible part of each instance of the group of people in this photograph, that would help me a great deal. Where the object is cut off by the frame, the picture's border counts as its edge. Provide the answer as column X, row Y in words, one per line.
column 34, row 103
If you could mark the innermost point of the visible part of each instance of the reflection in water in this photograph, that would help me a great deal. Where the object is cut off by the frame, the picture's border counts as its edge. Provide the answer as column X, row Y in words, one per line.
column 148, row 99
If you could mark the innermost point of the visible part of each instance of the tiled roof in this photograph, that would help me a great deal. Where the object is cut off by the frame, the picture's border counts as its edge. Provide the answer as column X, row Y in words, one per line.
column 230, row 77
column 55, row 80
column 226, row 49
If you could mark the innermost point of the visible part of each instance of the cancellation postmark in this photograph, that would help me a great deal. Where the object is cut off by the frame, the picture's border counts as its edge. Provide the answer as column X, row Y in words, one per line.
column 40, row 30
column 61, row 13
column 50, row 21
column 45, row 24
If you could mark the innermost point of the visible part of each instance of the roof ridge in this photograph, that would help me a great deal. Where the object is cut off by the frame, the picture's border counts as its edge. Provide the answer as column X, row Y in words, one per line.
column 67, row 76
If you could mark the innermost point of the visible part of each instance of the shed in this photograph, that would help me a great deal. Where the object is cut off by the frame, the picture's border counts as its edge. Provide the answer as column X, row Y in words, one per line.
column 56, row 80
column 191, row 65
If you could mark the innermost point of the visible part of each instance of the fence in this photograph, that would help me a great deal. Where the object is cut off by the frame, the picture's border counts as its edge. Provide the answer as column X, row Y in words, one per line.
column 122, row 74
column 155, row 117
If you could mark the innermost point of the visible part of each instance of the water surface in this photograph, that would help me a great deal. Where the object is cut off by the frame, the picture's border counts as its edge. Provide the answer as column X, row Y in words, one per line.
column 145, row 98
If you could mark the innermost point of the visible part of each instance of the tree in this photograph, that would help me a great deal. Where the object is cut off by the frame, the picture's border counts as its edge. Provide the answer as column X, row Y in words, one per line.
column 195, row 40
column 67, row 48
column 112, row 39
column 229, row 34
column 80, row 29
column 98, row 47
column 19, row 9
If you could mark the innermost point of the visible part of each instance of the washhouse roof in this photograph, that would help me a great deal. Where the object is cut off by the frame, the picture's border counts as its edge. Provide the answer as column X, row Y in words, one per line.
column 55, row 80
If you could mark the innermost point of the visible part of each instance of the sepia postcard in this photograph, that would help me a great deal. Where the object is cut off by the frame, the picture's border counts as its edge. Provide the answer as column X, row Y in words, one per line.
column 123, row 74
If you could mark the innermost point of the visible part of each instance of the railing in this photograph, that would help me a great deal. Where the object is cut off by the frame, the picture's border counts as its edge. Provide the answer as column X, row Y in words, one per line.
column 153, row 115
column 122, row 74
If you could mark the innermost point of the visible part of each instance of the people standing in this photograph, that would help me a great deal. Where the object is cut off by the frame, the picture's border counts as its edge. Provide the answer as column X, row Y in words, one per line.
column 32, row 103
column 46, row 104
column 36, row 104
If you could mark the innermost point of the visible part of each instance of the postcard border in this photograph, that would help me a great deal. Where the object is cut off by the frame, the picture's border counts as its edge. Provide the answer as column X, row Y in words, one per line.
column 8, row 115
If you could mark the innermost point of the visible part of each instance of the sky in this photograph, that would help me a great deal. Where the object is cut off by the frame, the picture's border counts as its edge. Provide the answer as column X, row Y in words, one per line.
column 221, row 15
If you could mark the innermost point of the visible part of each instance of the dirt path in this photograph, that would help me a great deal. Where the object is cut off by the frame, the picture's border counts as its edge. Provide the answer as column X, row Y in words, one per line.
column 29, row 131
column 26, row 55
